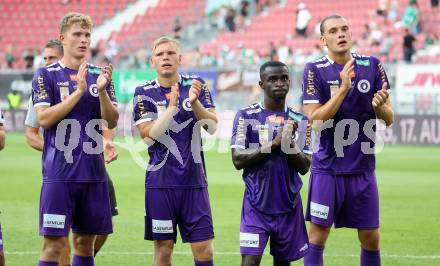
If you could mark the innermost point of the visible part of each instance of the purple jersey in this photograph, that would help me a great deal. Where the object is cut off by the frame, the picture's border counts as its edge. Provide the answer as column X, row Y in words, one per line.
column 320, row 80
column 272, row 186
column 51, row 85
column 176, row 159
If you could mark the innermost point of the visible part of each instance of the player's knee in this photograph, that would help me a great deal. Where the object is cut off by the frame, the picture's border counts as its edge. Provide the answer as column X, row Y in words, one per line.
column 54, row 246
column 318, row 234
column 163, row 249
column 250, row 260
column 204, row 252
column 83, row 244
column 369, row 239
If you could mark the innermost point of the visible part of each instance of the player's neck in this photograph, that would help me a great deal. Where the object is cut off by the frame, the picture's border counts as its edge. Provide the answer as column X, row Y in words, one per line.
column 341, row 59
column 72, row 62
column 168, row 82
column 274, row 105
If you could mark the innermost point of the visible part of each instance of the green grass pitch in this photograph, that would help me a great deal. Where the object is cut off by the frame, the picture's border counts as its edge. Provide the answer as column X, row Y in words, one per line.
column 408, row 178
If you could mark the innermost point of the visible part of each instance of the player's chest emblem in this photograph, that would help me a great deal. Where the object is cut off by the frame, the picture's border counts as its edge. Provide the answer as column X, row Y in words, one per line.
column 363, row 86
column 187, row 105
column 263, row 134
column 93, row 89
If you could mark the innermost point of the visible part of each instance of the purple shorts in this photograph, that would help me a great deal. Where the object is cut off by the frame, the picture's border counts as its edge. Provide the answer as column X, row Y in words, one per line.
column 346, row 200
column 167, row 208
column 287, row 232
column 84, row 207
column 1, row 238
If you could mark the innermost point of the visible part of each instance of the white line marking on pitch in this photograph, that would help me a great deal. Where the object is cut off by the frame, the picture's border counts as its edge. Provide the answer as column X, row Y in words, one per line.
column 131, row 253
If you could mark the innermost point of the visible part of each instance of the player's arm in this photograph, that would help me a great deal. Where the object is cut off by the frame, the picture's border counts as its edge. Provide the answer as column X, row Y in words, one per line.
column 319, row 113
column 382, row 105
column 152, row 130
column 33, row 138
column 109, row 112
column 201, row 113
column 2, row 136
column 50, row 115
column 109, row 148
column 242, row 158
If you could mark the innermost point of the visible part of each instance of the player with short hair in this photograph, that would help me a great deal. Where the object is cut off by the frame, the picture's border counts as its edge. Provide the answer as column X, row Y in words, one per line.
column 2, row 145
column 340, row 89
column 53, row 51
column 74, row 101
column 169, row 113
column 270, row 142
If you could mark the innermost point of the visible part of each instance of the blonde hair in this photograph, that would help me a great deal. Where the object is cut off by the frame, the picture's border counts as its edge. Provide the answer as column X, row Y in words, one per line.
column 165, row 39
column 72, row 18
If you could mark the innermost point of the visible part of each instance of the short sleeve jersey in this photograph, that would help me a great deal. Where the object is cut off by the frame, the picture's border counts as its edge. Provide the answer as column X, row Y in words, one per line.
column 52, row 85
column 272, row 186
column 176, row 159
column 320, row 81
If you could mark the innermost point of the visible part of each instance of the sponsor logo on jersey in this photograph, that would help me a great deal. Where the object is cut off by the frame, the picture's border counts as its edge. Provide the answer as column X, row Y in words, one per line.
column 323, row 65
column 319, row 210
column 42, row 94
column 334, row 82
column 54, row 220
column 310, row 83
column 162, row 226
column 365, row 62
column 64, row 92
column 65, row 83
column 249, row 240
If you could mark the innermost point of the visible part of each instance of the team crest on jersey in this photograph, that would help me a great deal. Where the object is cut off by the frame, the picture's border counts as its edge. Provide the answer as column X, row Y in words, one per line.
column 93, row 89
column 363, row 86
column 187, row 105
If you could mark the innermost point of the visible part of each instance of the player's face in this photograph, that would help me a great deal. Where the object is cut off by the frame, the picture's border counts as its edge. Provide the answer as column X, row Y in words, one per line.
column 275, row 82
column 166, row 59
column 51, row 55
column 76, row 41
column 337, row 36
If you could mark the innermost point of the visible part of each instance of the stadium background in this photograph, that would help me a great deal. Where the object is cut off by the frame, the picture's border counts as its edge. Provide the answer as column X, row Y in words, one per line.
column 225, row 41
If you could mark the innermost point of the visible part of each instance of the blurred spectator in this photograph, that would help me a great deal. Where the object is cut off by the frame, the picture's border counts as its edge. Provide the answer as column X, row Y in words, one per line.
column 28, row 57
column 9, row 56
column 14, row 100
column 244, row 12
column 112, row 50
column 177, row 27
column 375, row 37
column 283, row 52
column 408, row 46
column 302, row 19
column 434, row 7
column 382, row 8
column 386, row 45
column 317, row 28
column 411, row 17
column 393, row 11
column 230, row 19
column 317, row 52
column 273, row 52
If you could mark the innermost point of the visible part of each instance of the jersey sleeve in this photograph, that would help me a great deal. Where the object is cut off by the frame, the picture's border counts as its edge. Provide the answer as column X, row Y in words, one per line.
column 381, row 76
column 311, row 85
column 239, row 137
column 31, row 116
column 144, row 109
column 205, row 95
column 111, row 92
column 41, row 89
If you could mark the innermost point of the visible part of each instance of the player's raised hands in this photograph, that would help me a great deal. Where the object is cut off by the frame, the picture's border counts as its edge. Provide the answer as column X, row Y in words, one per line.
column 380, row 97
column 174, row 95
column 105, row 77
column 284, row 136
column 81, row 77
column 194, row 91
column 347, row 74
